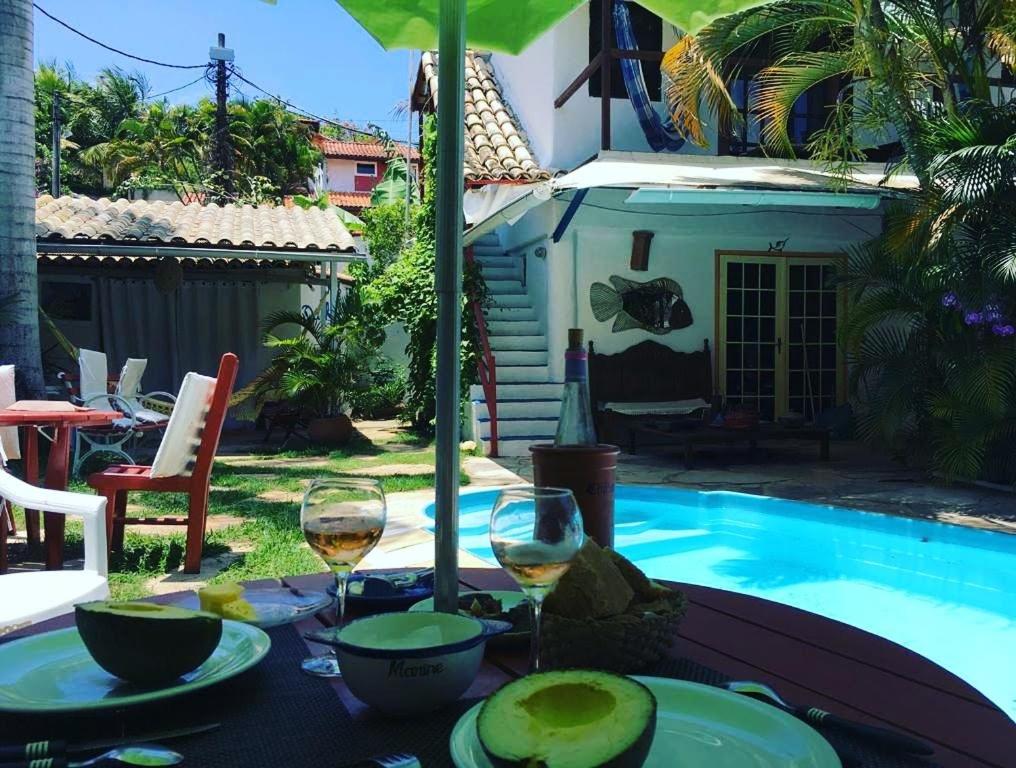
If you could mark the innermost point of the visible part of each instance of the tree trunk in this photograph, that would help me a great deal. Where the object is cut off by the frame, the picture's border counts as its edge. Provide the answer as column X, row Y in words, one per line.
column 19, row 290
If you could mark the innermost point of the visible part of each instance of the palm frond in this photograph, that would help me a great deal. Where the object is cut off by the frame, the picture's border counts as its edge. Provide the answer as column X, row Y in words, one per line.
column 694, row 82
column 781, row 85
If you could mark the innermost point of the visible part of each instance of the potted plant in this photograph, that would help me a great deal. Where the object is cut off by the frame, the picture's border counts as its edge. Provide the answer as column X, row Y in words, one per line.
column 313, row 371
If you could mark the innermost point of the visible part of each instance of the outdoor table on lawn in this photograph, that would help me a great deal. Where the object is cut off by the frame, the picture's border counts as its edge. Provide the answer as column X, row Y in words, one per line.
column 62, row 418
column 274, row 715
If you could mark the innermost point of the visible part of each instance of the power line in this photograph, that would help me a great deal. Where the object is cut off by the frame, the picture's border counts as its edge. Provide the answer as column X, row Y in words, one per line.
column 101, row 44
column 203, row 77
column 297, row 109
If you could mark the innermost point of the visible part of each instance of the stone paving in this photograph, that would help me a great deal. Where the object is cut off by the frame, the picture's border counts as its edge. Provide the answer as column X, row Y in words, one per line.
column 855, row 477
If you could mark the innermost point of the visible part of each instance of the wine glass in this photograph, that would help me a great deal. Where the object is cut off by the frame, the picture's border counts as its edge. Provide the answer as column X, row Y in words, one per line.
column 342, row 520
column 535, row 534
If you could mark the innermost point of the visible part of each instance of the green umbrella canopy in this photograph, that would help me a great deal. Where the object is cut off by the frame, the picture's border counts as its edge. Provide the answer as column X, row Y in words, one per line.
column 508, row 26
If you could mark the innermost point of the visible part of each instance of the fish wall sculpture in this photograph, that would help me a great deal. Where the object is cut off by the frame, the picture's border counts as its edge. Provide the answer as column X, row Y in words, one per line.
column 657, row 306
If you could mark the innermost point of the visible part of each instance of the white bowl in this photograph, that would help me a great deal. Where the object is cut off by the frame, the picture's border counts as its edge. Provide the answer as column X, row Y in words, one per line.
column 402, row 663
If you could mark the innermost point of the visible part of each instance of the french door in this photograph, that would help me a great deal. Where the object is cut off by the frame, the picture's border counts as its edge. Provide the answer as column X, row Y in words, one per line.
column 776, row 325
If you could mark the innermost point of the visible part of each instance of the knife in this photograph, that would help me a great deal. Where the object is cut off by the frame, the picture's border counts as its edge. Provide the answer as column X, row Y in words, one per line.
column 37, row 750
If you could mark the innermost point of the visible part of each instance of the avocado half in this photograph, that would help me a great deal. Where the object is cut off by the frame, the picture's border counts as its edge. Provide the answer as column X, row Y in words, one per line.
column 568, row 719
column 146, row 643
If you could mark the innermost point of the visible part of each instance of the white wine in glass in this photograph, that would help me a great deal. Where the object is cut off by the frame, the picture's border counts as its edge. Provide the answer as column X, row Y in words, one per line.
column 342, row 542
column 342, row 521
column 535, row 534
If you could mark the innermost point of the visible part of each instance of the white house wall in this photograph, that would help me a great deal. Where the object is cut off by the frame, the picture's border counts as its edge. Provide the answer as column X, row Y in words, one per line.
column 341, row 175
column 598, row 245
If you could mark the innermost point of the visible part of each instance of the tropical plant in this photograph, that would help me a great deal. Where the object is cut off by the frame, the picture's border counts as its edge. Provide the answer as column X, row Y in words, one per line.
column 319, row 360
column 19, row 336
column 272, row 142
column 931, row 332
column 115, row 139
column 402, row 290
column 893, row 65
column 387, row 232
column 161, row 142
column 382, row 399
column 90, row 116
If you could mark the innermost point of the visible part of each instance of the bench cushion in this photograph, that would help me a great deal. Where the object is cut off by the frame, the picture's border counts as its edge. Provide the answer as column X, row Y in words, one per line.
column 662, row 408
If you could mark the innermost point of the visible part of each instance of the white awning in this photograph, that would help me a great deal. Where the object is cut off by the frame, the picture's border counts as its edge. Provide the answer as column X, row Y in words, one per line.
column 633, row 170
column 688, row 179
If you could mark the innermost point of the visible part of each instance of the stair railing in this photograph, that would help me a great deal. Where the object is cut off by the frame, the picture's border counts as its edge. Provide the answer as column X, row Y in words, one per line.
column 486, row 367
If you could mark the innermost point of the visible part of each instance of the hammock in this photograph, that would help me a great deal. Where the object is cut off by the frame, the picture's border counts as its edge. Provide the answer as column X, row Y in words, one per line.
column 660, row 135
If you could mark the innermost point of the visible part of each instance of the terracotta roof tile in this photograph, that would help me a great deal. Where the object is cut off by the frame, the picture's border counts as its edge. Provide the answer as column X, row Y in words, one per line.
column 229, row 226
column 496, row 149
column 356, row 150
column 350, row 201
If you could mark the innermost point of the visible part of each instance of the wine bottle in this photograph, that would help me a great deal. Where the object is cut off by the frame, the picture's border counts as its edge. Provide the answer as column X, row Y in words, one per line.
column 575, row 425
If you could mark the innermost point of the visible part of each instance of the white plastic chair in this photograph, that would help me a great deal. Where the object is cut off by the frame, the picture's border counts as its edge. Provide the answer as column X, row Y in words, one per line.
column 8, row 435
column 9, row 446
column 27, row 598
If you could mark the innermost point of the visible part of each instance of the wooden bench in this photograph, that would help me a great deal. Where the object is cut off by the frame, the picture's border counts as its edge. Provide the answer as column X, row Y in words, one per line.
column 648, row 372
column 652, row 373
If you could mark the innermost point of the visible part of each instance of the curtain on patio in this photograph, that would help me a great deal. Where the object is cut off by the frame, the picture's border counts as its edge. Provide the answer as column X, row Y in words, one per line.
column 186, row 330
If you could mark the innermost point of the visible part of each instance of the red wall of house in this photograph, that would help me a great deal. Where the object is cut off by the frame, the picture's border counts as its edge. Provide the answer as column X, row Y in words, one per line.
column 367, row 183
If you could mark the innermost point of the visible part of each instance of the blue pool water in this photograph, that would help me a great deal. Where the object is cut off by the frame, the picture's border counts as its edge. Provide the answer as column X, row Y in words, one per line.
column 946, row 592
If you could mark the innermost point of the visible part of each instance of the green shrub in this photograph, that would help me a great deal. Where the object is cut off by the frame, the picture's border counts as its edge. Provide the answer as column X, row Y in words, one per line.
column 384, row 397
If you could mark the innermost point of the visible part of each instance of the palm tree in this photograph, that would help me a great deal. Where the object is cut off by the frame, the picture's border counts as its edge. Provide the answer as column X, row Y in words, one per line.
column 894, row 65
column 19, row 338
column 272, row 142
column 151, row 143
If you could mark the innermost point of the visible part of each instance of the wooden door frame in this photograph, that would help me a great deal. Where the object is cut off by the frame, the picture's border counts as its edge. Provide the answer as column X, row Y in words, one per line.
column 840, row 258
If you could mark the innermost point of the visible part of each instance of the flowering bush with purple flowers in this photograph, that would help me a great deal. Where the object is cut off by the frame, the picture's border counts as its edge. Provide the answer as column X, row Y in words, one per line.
column 991, row 315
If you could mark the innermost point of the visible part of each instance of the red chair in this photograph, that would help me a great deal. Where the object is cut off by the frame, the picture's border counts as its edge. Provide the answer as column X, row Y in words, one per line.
column 182, row 465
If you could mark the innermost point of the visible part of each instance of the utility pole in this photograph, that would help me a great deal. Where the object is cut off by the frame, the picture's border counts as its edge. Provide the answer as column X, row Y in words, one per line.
column 54, row 182
column 222, row 152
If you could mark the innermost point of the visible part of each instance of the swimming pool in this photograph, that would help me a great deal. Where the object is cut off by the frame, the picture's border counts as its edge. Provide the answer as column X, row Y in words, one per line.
column 944, row 591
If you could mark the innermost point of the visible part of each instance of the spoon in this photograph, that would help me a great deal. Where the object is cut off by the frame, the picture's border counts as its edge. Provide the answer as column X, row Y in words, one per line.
column 891, row 739
column 138, row 754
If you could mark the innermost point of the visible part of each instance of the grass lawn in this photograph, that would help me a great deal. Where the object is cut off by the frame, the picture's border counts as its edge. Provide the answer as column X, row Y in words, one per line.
column 257, row 501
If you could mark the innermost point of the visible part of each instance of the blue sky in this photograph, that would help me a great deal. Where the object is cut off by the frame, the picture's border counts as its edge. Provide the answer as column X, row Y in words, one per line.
column 310, row 52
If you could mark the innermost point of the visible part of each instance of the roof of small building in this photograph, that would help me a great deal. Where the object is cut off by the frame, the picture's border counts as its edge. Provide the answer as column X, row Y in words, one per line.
column 357, row 150
column 497, row 150
column 140, row 222
column 132, row 264
column 349, row 201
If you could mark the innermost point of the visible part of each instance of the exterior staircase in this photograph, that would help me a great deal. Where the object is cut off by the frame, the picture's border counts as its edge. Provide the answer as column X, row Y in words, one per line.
column 528, row 403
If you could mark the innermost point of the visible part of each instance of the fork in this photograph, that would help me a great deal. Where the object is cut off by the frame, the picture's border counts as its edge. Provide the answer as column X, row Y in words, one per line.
column 400, row 760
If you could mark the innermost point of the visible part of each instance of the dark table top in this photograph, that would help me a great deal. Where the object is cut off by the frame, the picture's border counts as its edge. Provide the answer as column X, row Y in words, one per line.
column 810, row 660
column 807, row 658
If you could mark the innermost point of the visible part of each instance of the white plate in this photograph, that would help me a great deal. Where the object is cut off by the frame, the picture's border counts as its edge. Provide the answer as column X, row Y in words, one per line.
column 508, row 600
column 54, row 672
column 274, row 606
column 702, row 727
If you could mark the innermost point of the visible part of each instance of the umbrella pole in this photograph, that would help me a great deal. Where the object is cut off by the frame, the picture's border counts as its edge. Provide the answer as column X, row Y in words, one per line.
column 448, row 283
